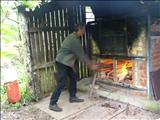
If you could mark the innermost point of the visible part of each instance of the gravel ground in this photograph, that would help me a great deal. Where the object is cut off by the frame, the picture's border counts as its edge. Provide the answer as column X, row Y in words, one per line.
column 115, row 110
column 24, row 113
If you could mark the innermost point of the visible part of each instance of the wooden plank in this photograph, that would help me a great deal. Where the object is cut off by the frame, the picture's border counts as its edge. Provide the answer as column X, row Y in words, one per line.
column 52, row 17
column 36, row 39
column 55, row 43
column 62, row 24
column 34, row 79
column 134, row 71
column 46, row 41
column 31, row 36
column 33, row 48
column 115, row 70
column 48, row 46
column 73, row 12
column 71, row 18
column 58, row 32
column 78, row 21
column 93, row 84
column 66, row 15
column 49, row 38
column 41, row 72
column 51, row 46
column 85, row 41
column 47, row 79
column 44, row 47
column 42, row 44
column 80, row 69
column 42, row 81
column 44, row 65
column 50, row 79
column 53, row 34
column 38, row 43
column 63, row 18
column 39, row 40
column 53, row 81
column 77, row 14
column 81, row 13
column 41, row 47
column 77, row 68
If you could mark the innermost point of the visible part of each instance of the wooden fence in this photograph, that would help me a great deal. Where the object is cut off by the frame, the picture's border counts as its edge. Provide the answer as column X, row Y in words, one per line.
column 46, row 33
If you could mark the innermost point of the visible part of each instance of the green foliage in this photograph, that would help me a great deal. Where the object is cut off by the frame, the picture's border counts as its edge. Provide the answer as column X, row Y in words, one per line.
column 26, row 91
column 3, row 94
column 29, row 3
column 12, row 51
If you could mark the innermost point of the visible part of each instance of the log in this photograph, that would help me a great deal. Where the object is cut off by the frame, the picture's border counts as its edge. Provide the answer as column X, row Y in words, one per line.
column 93, row 84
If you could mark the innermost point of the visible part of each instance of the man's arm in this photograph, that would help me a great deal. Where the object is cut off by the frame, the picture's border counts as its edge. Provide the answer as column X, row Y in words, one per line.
column 77, row 49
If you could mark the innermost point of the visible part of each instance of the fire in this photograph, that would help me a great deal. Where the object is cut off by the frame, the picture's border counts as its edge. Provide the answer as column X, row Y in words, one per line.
column 123, row 69
column 128, row 71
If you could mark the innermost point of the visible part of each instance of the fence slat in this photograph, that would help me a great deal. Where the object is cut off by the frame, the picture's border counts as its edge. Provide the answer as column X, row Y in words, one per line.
column 46, row 34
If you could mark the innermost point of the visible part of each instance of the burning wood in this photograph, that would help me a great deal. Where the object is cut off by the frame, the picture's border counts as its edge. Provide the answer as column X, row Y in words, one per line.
column 125, row 71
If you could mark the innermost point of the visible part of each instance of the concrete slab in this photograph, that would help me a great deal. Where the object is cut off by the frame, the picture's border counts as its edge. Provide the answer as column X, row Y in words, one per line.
column 98, row 108
column 69, row 109
column 101, row 111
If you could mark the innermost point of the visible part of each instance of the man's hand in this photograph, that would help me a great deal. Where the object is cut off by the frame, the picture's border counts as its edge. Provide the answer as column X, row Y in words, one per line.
column 94, row 67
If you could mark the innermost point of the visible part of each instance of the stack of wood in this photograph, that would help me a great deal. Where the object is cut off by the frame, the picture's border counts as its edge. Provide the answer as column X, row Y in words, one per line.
column 124, row 70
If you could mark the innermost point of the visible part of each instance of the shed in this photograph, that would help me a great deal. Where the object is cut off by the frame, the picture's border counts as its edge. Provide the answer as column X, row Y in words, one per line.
column 50, row 23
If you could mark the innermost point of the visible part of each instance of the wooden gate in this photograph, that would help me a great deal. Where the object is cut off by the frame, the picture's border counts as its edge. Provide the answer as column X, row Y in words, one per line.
column 47, row 27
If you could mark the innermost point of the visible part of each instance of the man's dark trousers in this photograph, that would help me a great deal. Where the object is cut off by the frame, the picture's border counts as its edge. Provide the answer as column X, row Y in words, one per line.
column 63, row 72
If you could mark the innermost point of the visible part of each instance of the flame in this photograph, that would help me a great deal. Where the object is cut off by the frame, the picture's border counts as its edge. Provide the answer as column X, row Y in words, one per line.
column 123, row 70
column 122, row 67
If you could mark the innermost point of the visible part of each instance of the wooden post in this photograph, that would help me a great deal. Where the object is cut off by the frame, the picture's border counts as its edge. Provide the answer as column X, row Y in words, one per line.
column 115, row 70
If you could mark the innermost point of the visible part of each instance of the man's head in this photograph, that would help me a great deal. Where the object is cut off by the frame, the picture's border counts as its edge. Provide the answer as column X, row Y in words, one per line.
column 80, row 29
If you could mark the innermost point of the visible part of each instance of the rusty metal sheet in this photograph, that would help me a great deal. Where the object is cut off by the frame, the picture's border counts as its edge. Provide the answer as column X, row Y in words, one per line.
column 155, row 78
column 155, row 66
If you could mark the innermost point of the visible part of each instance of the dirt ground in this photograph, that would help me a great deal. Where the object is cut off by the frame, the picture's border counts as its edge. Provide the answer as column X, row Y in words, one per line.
column 105, row 110
column 114, row 110
column 25, row 113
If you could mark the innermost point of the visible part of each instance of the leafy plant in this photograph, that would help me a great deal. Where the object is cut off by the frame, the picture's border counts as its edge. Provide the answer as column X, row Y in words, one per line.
column 12, row 51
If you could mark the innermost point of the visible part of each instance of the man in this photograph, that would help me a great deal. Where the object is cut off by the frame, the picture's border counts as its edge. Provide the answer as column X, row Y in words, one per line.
column 71, row 50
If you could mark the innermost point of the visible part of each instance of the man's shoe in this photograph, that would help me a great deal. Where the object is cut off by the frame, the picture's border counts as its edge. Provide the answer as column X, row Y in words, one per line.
column 75, row 99
column 55, row 108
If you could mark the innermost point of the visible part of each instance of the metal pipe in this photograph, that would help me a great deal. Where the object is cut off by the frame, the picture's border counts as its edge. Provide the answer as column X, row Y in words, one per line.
column 149, row 83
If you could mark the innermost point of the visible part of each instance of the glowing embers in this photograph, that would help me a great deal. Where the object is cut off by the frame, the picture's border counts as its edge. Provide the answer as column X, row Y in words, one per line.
column 132, row 72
